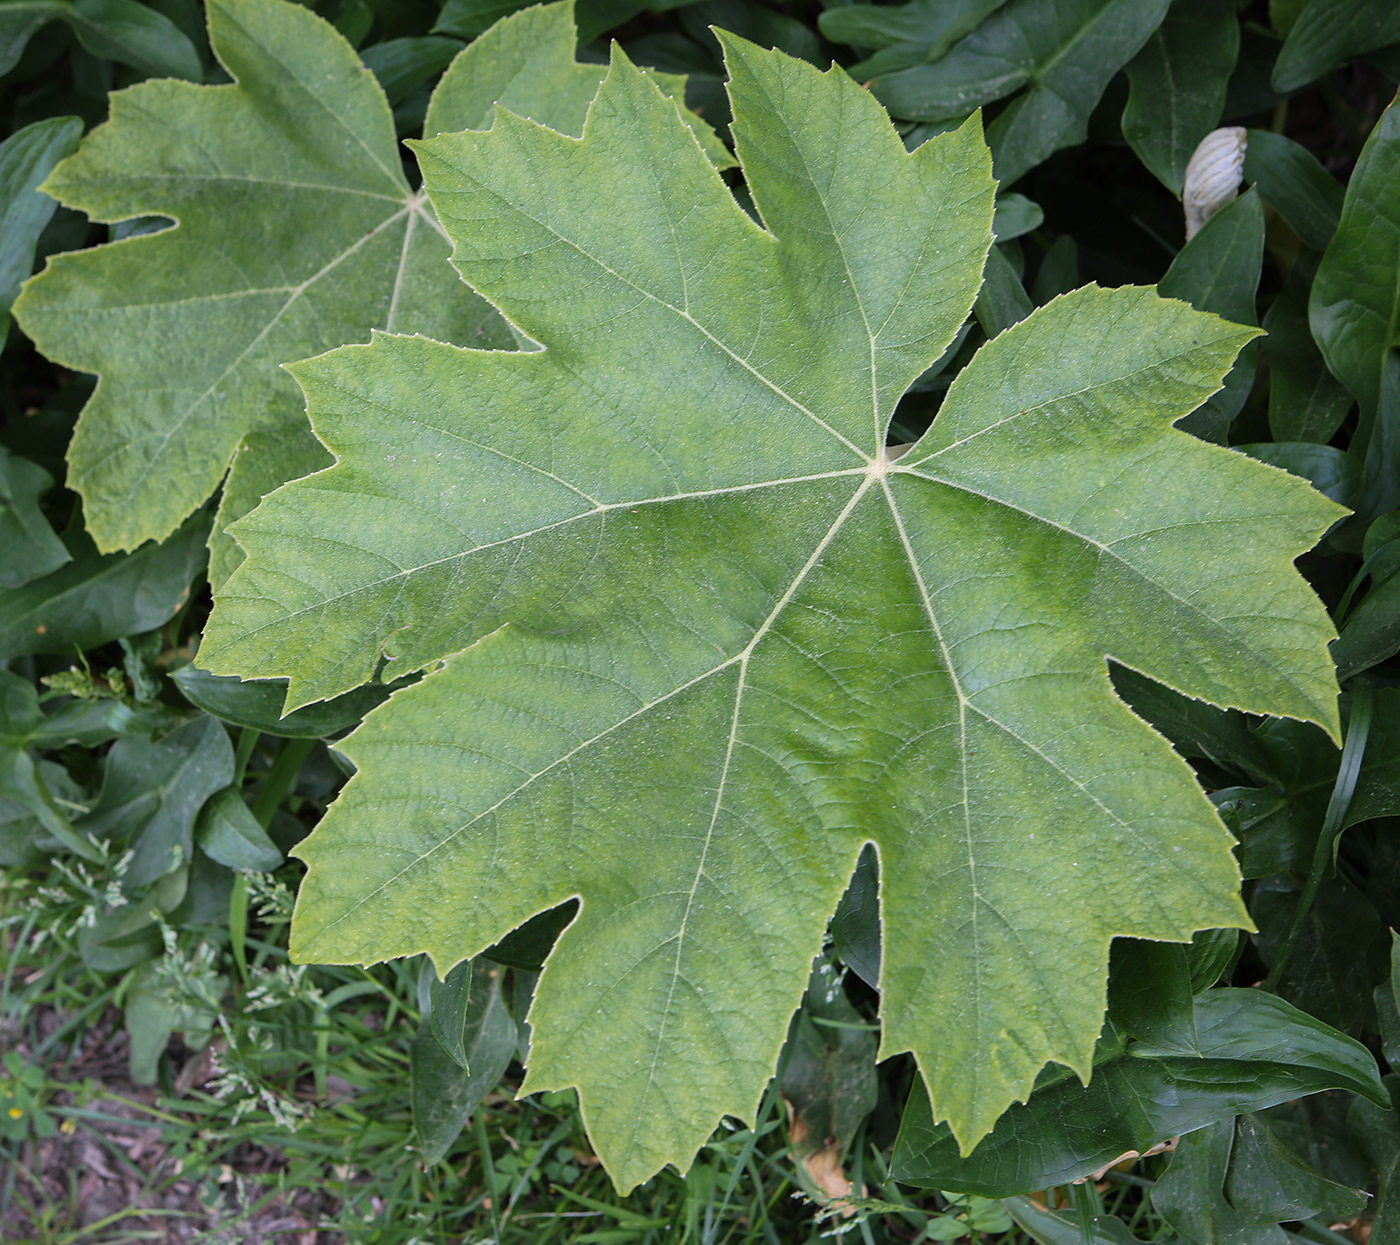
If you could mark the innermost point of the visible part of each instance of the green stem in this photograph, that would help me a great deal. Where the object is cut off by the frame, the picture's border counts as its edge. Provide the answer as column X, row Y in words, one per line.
column 280, row 778
column 247, row 740
column 1325, row 853
column 238, row 925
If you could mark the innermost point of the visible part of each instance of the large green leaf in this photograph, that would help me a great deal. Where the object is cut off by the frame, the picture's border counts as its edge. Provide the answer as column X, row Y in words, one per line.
column 1250, row 1051
column 1063, row 54
column 697, row 637
column 187, row 327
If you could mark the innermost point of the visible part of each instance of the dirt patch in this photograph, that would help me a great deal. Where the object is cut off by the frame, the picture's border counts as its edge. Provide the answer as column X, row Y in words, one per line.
column 111, row 1169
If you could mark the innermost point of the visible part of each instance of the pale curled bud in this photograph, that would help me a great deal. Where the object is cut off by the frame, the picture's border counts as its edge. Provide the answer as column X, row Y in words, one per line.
column 1213, row 177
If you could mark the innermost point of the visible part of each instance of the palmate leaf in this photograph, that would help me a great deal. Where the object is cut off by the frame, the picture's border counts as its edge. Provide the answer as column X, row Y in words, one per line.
column 296, row 230
column 696, row 637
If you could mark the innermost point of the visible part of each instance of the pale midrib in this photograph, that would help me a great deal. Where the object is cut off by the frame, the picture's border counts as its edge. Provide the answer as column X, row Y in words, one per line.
column 241, row 179
column 1120, row 378
column 743, row 658
column 740, row 659
column 1237, row 640
column 394, row 174
column 947, row 659
column 597, row 509
column 966, row 703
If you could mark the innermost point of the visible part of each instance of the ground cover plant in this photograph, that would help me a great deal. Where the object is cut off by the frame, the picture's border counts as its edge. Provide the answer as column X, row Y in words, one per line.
column 762, row 585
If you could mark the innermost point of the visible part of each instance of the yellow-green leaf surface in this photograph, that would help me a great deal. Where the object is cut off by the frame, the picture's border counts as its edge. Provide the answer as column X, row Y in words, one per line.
column 295, row 231
column 695, row 636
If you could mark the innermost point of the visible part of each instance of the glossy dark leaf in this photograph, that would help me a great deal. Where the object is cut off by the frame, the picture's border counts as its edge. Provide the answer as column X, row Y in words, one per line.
column 1191, row 1196
column 257, row 703
column 1328, row 973
column 1292, row 182
column 1196, row 729
column 122, row 30
column 528, row 946
column 1328, row 33
column 1015, row 214
column 26, row 158
column 1150, row 993
column 403, row 64
column 229, row 834
column 1177, row 85
column 1355, row 295
column 97, row 597
column 905, row 34
column 828, row 1069
column 855, row 928
column 1306, row 402
column 444, row 1004
column 1254, row 1050
column 1002, row 301
column 31, row 548
column 1218, row 270
column 152, row 792
column 444, row 1094
column 1266, row 1182
column 1064, row 1227
column 1064, row 53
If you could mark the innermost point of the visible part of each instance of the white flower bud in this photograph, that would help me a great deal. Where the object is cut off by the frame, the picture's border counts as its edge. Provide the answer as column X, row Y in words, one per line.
column 1213, row 177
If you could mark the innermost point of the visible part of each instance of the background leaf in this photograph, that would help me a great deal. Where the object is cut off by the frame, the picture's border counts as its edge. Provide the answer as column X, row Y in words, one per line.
column 1253, row 1050
column 26, row 158
column 94, row 598
column 1329, row 32
column 1177, row 86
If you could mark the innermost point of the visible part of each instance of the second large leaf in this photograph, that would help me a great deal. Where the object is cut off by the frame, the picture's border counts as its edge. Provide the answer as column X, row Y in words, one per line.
column 696, row 635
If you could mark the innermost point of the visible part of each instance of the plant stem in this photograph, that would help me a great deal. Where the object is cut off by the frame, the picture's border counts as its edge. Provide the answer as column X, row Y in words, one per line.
column 280, row 778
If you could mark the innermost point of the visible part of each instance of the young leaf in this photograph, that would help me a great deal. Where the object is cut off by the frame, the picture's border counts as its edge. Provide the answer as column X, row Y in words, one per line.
column 187, row 327
column 702, row 637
